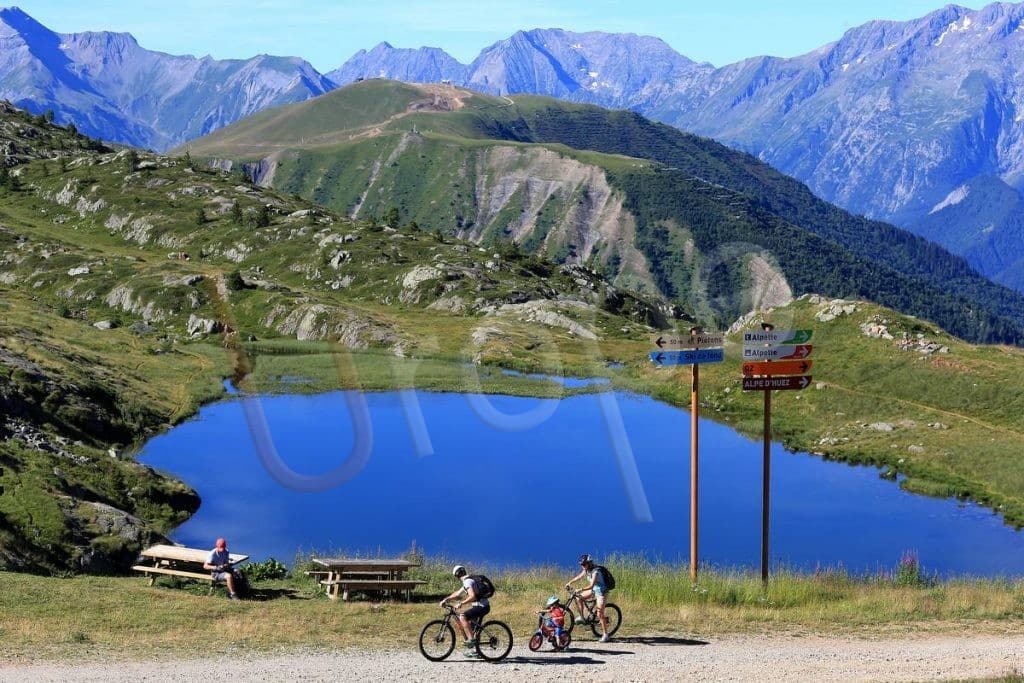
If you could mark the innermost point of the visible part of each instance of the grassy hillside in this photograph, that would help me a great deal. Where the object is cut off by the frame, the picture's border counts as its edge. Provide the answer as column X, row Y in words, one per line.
column 658, row 210
column 131, row 284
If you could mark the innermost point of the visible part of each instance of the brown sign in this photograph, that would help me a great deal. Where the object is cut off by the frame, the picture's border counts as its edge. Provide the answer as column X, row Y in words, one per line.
column 782, row 367
column 776, row 383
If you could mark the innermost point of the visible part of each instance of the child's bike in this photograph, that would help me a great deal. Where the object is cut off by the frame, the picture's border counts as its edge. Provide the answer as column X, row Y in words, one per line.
column 589, row 616
column 437, row 639
column 545, row 633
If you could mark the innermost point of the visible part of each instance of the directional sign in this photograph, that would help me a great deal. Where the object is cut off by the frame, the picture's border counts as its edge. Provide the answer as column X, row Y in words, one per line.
column 771, row 383
column 692, row 357
column 783, row 367
column 777, row 337
column 700, row 341
column 799, row 351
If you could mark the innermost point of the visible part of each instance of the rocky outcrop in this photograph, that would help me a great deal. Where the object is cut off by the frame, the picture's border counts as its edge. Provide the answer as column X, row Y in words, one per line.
column 545, row 312
column 834, row 309
column 768, row 285
column 412, row 281
column 123, row 297
column 198, row 327
column 320, row 322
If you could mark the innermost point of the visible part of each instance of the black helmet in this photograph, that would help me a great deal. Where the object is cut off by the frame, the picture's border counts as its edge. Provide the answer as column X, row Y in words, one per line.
column 586, row 559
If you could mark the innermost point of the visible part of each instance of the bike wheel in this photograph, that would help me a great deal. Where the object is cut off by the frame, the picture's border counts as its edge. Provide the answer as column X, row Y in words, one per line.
column 437, row 640
column 494, row 641
column 570, row 621
column 614, row 616
column 563, row 641
column 536, row 642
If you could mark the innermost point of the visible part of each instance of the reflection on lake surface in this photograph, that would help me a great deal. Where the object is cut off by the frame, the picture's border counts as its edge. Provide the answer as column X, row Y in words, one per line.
column 549, row 493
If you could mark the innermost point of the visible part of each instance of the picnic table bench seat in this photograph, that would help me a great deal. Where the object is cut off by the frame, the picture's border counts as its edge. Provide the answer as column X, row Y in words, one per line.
column 404, row 586
column 174, row 560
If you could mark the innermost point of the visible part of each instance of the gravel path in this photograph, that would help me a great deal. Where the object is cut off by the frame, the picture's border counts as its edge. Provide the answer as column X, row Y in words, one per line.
column 629, row 659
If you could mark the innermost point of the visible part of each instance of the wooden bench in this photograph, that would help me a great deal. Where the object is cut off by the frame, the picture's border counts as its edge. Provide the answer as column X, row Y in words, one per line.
column 176, row 560
column 366, row 575
column 405, row 586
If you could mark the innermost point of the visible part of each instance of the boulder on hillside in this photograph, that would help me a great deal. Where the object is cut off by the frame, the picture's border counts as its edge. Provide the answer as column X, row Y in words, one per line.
column 199, row 326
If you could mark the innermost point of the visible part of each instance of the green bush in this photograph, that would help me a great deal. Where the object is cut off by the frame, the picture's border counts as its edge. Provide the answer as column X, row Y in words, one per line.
column 268, row 569
column 235, row 282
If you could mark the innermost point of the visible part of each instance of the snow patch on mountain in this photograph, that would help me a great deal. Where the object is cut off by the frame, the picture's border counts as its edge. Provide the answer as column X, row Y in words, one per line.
column 952, row 199
column 955, row 27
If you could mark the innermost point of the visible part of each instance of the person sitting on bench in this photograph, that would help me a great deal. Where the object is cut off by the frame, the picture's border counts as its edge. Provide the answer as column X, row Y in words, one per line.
column 218, row 563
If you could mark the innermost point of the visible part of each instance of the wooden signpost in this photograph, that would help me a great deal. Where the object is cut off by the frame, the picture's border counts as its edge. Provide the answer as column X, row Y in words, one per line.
column 696, row 351
column 762, row 373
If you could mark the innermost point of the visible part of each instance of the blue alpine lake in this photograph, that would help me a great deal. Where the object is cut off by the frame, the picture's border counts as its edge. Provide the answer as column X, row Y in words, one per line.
column 513, row 481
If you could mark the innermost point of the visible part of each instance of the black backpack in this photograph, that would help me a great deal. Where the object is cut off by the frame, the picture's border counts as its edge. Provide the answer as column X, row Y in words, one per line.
column 484, row 587
column 609, row 580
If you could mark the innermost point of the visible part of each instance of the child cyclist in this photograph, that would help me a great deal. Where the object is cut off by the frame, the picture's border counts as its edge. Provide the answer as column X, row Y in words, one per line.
column 555, row 620
column 551, row 626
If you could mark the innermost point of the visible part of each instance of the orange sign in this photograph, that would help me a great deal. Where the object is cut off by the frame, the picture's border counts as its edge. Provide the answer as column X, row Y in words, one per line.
column 782, row 367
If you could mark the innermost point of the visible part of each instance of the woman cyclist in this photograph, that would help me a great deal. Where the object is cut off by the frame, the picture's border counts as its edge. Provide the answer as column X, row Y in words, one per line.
column 594, row 589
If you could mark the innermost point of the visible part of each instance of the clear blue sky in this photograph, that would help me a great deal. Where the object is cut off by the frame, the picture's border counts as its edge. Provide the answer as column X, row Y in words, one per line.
column 327, row 32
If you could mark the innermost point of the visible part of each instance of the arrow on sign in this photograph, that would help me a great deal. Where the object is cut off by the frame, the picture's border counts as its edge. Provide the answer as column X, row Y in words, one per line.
column 690, row 357
column 777, row 352
column 776, row 337
column 785, row 367
column 773, row 383
column 702, row 340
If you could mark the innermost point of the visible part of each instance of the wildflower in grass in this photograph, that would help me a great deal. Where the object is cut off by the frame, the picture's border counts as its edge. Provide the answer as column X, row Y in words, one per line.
column 909, row 572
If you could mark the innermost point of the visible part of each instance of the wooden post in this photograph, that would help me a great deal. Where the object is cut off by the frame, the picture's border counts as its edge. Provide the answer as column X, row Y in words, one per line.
column 766, row 483
column 694, row 421
column 766, row 474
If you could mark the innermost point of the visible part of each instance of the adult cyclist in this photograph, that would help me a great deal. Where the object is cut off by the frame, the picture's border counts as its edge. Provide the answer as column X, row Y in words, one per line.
column 595, row 588
column 479, row 608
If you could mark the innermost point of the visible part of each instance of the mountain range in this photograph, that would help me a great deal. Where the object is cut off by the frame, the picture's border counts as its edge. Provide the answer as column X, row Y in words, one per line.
column 896, row 120
column 918, row 122
column 111, row 88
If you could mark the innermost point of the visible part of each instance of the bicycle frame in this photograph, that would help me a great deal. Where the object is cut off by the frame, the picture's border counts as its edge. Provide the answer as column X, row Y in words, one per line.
column 452, row 613
column 589, row 604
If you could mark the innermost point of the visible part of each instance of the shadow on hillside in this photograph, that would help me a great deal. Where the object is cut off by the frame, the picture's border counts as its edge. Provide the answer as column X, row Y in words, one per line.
column 597, row 651
column 265, row 594
column 555, row 659
column 660, row 640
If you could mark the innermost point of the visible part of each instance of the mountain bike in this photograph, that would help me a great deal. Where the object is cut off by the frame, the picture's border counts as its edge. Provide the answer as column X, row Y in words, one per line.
column 589, row 616
column 437, row 639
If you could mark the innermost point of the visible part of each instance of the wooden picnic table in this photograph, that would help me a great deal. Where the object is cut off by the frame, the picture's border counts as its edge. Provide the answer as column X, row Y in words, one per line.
column 344, row 574
column 176, row 560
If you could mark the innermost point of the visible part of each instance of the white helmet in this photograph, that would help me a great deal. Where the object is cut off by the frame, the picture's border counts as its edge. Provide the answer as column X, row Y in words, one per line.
column 458, row 570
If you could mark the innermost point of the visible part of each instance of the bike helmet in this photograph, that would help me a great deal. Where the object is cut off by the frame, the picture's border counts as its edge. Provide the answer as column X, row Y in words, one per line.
column 458, row 570
column 552, row 601
column 586, row 559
